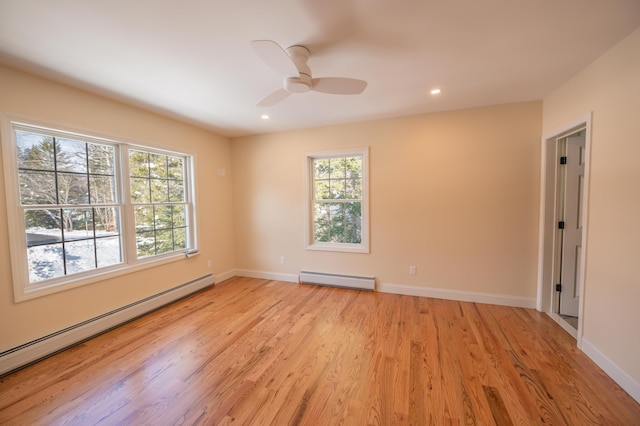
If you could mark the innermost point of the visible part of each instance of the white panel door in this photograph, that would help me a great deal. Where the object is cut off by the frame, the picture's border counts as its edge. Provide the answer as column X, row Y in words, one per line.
column 572, row 234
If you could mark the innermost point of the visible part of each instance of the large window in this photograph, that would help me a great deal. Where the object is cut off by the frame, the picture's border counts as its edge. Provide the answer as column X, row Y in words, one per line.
column 338, row 207
column 68, row 203
column 80, row 207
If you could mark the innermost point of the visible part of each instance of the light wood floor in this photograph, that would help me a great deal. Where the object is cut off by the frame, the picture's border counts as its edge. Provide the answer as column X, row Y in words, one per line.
column 263, row 352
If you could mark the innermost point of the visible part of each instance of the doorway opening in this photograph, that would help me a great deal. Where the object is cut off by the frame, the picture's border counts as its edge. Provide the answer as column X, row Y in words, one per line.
column 563, row 215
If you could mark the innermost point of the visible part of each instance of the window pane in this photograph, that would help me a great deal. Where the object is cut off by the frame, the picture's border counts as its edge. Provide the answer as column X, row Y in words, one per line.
column 108, row 251
column 35, row 151
column 158, row 166
column 146, row 243
column 176, row 168
column 322, row 190
column 101, row 159
column 71, row 156
column 164, row 241
column 42, row 226
column 337, row 189
column 353, row 189
column 353, row 212
column 103, row 189
column 179, row 218
column 45, row 262
column 140, row 191
column 337, row 168
column 44, row 253
column 72, row 188
column 163, row 217
column 352, row 233
column 37, row 188
column 77, row 224
column 336, row 212
column 180, row 238
column 321, row 168
column 322, row 223
column 176, row 191
column 80, row 256
column 144, row 218
column 353, row 167
column 107, row 221
column 159, row 191
column 138, row 164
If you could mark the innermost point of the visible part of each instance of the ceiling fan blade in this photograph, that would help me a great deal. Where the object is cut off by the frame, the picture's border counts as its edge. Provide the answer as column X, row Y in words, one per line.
column 338, row 85
column 273, row 98
column 276, row 57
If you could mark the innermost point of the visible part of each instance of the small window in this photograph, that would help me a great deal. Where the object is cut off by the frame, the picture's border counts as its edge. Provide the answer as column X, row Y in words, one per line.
column 82, row 207
column 337, row 216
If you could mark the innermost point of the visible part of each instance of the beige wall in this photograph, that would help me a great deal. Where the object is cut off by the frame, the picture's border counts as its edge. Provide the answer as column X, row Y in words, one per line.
column 610, row 89
column 454, row 193
column 32, row 97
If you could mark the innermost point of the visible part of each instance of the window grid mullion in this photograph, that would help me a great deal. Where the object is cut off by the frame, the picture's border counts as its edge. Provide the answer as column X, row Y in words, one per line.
column 55, row 170
column 86, row 156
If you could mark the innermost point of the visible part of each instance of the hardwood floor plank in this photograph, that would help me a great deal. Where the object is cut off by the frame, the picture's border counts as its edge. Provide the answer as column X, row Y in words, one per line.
column 259, row 352
column 498, row 409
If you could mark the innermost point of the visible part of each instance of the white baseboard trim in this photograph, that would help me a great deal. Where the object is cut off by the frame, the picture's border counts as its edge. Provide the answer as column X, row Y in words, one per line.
column 226, row 275
column 462, row 296
column 625, row 381
column 276, row 276
column 35, row 350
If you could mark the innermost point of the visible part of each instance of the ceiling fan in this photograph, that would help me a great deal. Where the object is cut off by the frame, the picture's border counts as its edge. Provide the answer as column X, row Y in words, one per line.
column 292, row 64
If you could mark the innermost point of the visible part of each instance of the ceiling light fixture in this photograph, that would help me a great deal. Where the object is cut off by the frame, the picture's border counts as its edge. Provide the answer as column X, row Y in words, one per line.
column 436, row 91
column 265, row 116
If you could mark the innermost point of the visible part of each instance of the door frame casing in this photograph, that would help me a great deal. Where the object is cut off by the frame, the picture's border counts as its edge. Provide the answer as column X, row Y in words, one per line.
column 548, row 244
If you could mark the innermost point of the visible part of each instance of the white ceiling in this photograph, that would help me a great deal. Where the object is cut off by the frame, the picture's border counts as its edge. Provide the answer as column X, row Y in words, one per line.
column 192, row 59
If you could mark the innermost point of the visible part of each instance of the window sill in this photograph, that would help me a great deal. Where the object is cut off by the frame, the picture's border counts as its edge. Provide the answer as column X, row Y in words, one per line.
column 345, row 248
column 38, row 290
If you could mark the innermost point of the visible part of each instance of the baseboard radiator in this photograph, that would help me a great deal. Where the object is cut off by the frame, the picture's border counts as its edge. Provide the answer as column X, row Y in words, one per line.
column 28, row 353
column 335, row 280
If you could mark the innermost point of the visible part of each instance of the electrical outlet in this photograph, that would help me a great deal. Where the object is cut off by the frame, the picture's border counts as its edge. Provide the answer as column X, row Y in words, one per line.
column 209, row 264
column 412, row 270
column 282, row 260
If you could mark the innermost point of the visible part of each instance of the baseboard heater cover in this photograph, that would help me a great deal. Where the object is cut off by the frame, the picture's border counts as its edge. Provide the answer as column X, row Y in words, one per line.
column 31, row 352
column 336, row 280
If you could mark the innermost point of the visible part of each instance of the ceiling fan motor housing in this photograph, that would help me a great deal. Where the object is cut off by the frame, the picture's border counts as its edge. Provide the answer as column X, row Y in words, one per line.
column 298, row 84
column 302, row 83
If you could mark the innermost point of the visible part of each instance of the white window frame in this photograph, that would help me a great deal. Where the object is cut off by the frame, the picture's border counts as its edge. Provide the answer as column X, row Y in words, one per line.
column 23, row 289
column 311, row 244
